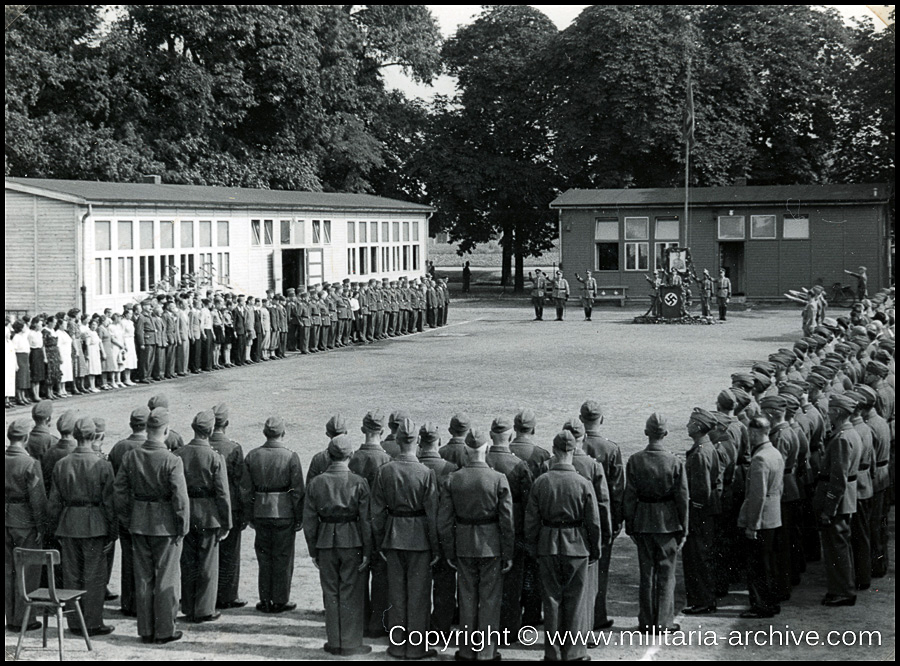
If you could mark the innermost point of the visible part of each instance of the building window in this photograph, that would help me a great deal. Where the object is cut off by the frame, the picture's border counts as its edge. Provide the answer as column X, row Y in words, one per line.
column 223, row 233
column 406, row 257
column 415, row 227
column 205, row 233
column 374, row 232
column 285, row 232
column 385, row 259
column 255, row 233
column 148, row 273
column 396, row 226
column 415, row 255
column 385, row 232
column 326, row 232
column 126, row 275
column 667, row 229
column 606, row 237
column 762, row 227
column 187, row 265
column 637, row 256
column 102, row 236
column 363, row 268
column 103, row 269
column 126, row 235
column 607, row 256
column 363, row 232
column 167, row 234
column 660, row 255
column 637, row 228
column 395, row 259
column 146, row 235
column 373, row 259
column 351, row 261
column 269, row 232
column 224, row 267
column 406, row 232
column 317, row 232
column 168, row 271
column 796, row 227
column 351, row 232
column 731, row 227
column 299, row 233
column 187, row 233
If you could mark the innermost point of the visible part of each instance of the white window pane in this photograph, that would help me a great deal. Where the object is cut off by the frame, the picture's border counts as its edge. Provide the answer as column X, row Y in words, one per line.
column 415, row 230
column 102, row 231
column 405, row 231
column 146, row 235
column 326, row 231
column 316, row 231
column 167, row 234
column 269, row 237
column 187, row 233
column 637, row 228
column 285, row 232
column 206, row 233
column 762, row 226
column 731, row 227
column 223, row 233
column 796, row 227
column 606, row 230
column 255, row 232
column 126, row 235
column 667, row 229
column 396, row 226
column 363, row 232
column 374, row 232
column 299, row 231
column 385, row 232
column 351, row 232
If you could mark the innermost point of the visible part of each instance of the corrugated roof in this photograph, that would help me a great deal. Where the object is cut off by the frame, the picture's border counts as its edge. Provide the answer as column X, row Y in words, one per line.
column 738, row 194
column 193, row 195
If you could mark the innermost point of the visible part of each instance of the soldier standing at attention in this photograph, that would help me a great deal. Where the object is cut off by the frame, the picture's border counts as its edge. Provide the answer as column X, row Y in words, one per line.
column 40, row 439
column 760, row 518
column 404, row 523
column 702, row 467
column 390, row 442
column 707, row 288
column 588, row 293
column 60, row 449
column 723, row 294
column 476, row 526
column 210, row 498
column 230, row 547
column 335, row 426
column 560, row 295
column 304, row 318
column 860, row 533
column 655, row 509
column 881, row 442
column 25, row 506
column 272, row 493
column 339, row 538
column 563, row 525
column 82, row 508
column 153, row 504
column 174, row 441
column 538, row 289
column 455, row 450
column 835, row 500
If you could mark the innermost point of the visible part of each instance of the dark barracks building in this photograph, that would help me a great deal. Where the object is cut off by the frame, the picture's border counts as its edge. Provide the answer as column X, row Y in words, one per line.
column 768, row 238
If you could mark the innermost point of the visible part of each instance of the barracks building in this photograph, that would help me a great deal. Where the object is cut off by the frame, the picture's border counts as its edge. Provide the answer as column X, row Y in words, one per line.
column 95, row 245
column 768, row 238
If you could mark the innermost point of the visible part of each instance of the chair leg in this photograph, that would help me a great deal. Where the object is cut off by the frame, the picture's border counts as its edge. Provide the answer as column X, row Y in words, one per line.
column 23, row 630
column 59, row 625
column 84, row 631
column 44, row 628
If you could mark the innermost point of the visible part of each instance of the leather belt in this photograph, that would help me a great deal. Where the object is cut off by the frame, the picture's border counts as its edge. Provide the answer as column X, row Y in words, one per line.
column 406, row 513
column 477, row 521
column 863, row 468
column 656, row 500
column 560, row 524
column 338, row 519
column 283, row 489
column 197, row 493
column 78, row 503
column 151, row 498
column 883, row 463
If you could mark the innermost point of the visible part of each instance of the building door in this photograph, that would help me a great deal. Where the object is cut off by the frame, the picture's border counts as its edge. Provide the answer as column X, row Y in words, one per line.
column 315, row 266
column 731, row 258
column 293, row 269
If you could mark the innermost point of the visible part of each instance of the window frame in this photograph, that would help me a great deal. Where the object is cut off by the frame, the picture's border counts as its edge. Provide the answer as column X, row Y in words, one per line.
column 774, row 235
column 791, row 219
column 645, row 236
column 637, row 255
column 726, row 239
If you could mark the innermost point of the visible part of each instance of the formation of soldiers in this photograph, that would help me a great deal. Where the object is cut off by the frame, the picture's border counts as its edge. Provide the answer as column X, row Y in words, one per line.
column 489, row 530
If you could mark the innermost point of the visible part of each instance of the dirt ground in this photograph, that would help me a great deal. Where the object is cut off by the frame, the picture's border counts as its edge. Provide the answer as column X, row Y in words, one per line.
column 491, row 359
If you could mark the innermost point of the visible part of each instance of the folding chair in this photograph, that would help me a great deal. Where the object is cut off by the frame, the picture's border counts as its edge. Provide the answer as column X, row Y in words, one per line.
column 46, row 597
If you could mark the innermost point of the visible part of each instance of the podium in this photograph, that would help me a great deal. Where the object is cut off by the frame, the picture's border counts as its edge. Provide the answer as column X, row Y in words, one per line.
column 671, row 302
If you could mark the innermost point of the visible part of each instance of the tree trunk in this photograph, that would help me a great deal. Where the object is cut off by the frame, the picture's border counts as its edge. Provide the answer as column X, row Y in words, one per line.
column 506, row 244
column 519, row 285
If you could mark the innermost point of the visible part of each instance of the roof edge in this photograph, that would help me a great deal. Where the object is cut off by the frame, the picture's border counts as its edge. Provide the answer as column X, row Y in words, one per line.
column 44, row 192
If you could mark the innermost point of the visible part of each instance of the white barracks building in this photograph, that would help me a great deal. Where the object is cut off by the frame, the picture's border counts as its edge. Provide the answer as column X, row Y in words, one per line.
column 95, row 245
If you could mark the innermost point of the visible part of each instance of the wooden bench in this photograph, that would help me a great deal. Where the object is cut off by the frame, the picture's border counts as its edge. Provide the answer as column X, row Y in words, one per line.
column 612, row 294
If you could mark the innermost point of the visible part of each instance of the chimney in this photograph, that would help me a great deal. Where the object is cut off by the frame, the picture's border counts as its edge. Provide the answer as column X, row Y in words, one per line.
column 151, row 179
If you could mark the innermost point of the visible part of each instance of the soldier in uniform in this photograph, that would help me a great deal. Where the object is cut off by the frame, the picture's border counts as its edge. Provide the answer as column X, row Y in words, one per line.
column 881, row 443
column 476, row 526
column 760, row 518
column 345, row 316
column 860, row 533
column 835, row 500
column 174, row 441
column 210, row 499
column 40, row 439
column 25, row 508
column 588, row 293
column 138, row 423
column 723, row 294
column 60, row 449
column 293, row 319
column 230, row 547
column 339, row 538
column 655, row 509
column 82, row 507
column 702, row 468
column 152, row 502
column 404, row 524
column 707, row 288
column 145, row 334
column 315, row 316
column 455, row 449
column 538, row 289
column 560, row 295
column 562, row 520
column 272, row 493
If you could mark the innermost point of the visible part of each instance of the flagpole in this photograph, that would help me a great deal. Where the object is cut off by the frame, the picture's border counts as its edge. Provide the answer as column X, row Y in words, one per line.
column 687, row 170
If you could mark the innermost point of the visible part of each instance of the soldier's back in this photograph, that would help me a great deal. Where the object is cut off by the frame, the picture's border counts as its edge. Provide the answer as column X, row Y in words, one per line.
column 367, row 460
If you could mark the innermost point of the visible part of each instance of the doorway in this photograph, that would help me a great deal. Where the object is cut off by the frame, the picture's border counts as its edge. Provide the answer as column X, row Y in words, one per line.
column 731, row 258
column 293, row 268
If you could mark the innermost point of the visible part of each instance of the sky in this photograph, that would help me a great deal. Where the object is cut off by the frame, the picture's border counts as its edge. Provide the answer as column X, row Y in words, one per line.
column 451, row 17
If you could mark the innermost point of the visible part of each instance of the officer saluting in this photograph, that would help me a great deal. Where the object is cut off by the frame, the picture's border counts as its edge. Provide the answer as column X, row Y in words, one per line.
column 560, row 294
column 538, row 289
column 588, row 293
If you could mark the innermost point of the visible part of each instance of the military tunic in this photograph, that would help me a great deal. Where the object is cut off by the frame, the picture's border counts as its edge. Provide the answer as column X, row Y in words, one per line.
column 230, row 547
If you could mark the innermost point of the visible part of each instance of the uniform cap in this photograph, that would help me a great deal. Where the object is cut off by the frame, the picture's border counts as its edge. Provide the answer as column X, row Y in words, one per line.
column 84, row 428
column 761, row 380
column 741, row 398
column 564, row 441
column 819, row 340
column 725, row 399
column 428, row 433
column 590, row 410
column 817, row 380
column 460, row 423
column 397, row 417
column 831, row 324
column 336, row 426
column 868, row 395
column 100, row 424
column 802, row 345
column 742, row 380
column 407, row 432
column 792, row 402
column 822, row 370
column 204, row 421
column 574, row 426
column 65, row 424
column 158, row 401
column 764, row 367
column 776, row 402
column 525, row 420
column 842, row 401
column 274, row 427
column 158, row 418
column 703, row 417
column 220, row 411
column 877, row 368
column 789, row 353
column 501, row 424
column 340, row 446
column 18, row 429
column 139, row 417
column 656, row 426
column 42, row 410
column 791, row 389
column 886, row 343
column 373, row 421
column 476, row 439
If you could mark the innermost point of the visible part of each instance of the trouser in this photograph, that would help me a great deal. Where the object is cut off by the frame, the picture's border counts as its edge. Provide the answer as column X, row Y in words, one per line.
column 538, row 303
column 444, row 597
column 257, row 348
column 564, row 585
column 157, row 584
column 182, row 356
column 439, row 320
column 19, row 537
column 344, row 331
column 560, row 307
column 723, row 308
column 229, row 565
column 238, row 349
column 171, row 359
column 704, row 305
column 409, row 595
column 375, row 597
column 160, row 370
column 84, row 568
column 303, row 338
column 274, row 547
column 292, row 336
column 314, row 337
column 431, row 313
column 200, row 572
column 480, row 596
column 386, row 323
column 861, row 542
column 809, row 530
column 126, row 592
column 838, row 556
column 369, row 327
column 697, row 559
column 879, row 541
column 420, row 320
column 600, row 613
column 148, row 361
column 531, row 592
column 378, row 323
column 282, row 344
column 52, row 543
column 511, row 606
column 404, row 322
column 207, row 349
column 333, row 335
column 324, row 333
column 342, row 595
column 588, row 305
column 446, row 313
column 196, row 354
column 762, row 569
column 656, row 560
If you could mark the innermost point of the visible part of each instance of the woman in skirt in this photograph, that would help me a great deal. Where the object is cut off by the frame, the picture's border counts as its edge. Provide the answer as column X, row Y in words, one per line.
column 23, row 361
column 228, row 323
column 131, row 358
column 79, row 364
column 54, row 362
column 117, row 334
column 106, row 353
column 218, row 335
column 94, row 356
column 64, row 342
column 36, row 357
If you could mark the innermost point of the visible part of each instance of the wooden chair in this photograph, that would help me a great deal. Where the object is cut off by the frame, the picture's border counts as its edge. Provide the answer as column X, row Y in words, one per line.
column 46, row 597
